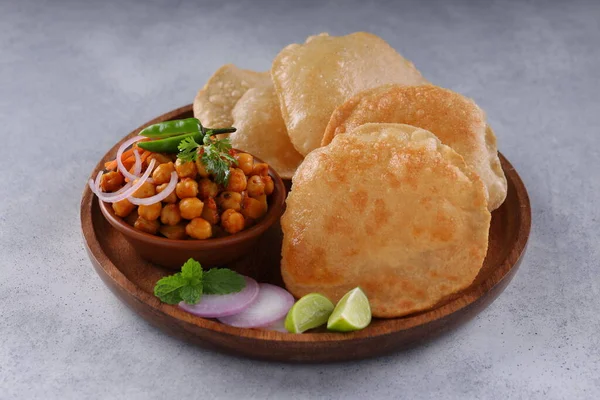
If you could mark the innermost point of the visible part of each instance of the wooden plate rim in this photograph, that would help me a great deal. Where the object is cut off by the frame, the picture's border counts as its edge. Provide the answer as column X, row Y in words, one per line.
column 390, row 326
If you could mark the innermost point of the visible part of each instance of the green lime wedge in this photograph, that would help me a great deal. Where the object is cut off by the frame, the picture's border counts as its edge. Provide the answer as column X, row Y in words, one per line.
column 351, row 313
column 309, row 312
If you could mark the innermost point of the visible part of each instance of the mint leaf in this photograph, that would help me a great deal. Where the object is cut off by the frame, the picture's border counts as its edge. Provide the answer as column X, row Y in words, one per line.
column 182, row 286
column 191, row 269
column 191, row 294
column 222, row 281
column 168, row 288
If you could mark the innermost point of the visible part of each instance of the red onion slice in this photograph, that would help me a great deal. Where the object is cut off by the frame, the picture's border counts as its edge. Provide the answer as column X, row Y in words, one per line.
column 158, row 197
column 115, row 197
column 277, row 326
column 272, row 304
column 138, row 161
column 215, row 305
column 137, row 168
column 95, row 186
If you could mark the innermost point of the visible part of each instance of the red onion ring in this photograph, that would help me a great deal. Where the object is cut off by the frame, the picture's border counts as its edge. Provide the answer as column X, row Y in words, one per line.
column 138, row 161
column 277, row 326
column 272, row 304
column 115, row 197
column 221, row 305
column 97, row 189
column 158, row 197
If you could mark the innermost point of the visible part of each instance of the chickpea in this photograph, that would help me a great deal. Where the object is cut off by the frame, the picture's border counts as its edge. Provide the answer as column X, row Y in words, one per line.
column 160, row 158
column 263, row 201
column 207, row 188
column 190, row 207
column 111, row 181
column 185, row 169
column 237, row 180
column 269, row 185
column 173, row 232
column 170, row 215
column 201, row 168
column 130, row 219
column 229, row 200
column 146, row 190
column 245, row 162
column 256, row 186
column 252, row 208
column 210, row 212
column 261, row 169
column 199, row 228
column 186, row 188
column 142, row 224
column 170, row 199
column 123, row 208
column 232, row 221
column 162, row 173
column 150, row 212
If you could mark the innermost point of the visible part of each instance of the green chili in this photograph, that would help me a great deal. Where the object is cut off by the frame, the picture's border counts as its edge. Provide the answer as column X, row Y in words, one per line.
column 179, row 127
column 169, row 145
column 168, row 129
column 169, row 134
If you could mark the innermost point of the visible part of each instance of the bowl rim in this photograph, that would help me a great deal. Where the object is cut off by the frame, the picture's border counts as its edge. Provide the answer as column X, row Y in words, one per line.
column 274, row 212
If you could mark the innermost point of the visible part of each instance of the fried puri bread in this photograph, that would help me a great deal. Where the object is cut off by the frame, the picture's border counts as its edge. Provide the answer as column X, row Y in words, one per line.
column 262, row 132
column 389, row 208
column 215, row 101
column 313, row 78
column 456, row 120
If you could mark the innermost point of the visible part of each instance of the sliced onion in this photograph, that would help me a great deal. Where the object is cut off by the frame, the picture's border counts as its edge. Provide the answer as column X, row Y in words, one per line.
column 95, row 186
column 272, row 304
column 158, row 197
column 97, row 182
column 138, row 161
column 277, row 326
column 215, row 305
column 115, row 197
column 137, row 168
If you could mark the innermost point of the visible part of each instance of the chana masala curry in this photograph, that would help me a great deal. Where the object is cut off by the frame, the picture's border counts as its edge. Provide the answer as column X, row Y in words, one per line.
column 202, row 191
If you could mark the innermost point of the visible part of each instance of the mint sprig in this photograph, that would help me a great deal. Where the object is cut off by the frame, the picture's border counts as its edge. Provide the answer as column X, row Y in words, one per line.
column 189, row 284
column 222, row 281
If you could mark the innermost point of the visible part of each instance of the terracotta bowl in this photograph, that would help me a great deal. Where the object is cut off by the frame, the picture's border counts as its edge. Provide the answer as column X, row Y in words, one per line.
column 171, row 253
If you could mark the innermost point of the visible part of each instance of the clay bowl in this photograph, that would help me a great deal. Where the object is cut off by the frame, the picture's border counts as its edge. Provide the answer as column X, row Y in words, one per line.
column 171, row 253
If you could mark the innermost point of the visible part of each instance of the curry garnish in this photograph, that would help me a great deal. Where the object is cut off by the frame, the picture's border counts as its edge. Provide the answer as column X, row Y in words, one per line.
column 214, row 153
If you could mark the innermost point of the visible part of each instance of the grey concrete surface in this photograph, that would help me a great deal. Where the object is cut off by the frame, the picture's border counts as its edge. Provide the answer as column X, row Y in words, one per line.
column 75, row 76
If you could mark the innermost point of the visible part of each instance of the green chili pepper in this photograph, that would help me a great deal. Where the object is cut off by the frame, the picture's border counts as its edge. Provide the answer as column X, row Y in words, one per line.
column 172, row 128
column 179, row 127
column 168, row 145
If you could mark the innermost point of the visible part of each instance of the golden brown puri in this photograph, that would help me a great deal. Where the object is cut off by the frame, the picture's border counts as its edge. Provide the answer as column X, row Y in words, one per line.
column 313, row 78
column 215, row 101
column 388, row 208
column 261, row 131
column 456, row 120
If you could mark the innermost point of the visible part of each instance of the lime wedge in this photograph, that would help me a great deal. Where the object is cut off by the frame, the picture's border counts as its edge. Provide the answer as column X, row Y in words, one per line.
column 351, row 313
column 309, row 312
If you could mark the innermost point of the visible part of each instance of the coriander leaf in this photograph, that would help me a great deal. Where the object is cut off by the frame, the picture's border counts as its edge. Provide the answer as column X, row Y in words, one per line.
column 222, row 281
column 188, row 149
column 191, row 294
column 168, row 288
column 191, row 270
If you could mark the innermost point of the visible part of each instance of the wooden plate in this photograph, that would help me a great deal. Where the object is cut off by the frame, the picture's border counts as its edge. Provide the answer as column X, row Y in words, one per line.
column 132, row 280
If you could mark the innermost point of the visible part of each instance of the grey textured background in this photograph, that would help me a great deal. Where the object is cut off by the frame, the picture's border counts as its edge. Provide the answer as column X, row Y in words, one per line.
column 76, row 76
